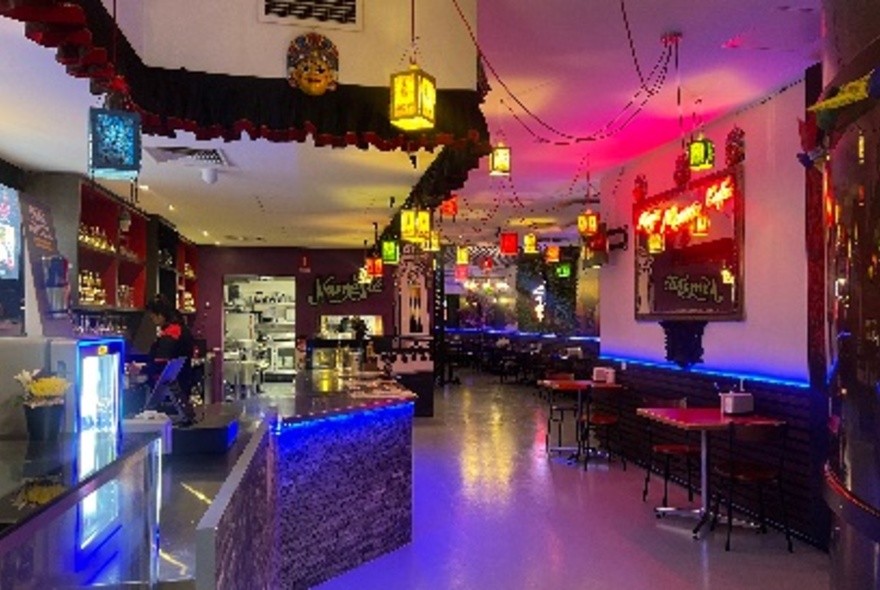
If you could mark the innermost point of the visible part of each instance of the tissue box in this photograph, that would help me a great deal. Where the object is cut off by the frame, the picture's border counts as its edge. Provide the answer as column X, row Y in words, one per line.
column 603, row 375
column 151, row 422
column 738, row 402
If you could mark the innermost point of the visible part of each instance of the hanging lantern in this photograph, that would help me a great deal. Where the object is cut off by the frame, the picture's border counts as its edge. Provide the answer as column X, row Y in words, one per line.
column 423, row 225
column 114, row 144
column 588, row 223
column 563, row 270
column 375, row 267
column 701, row 154
column 408, row 225
column 701, row 226
column 551, row 254
column 390, row 252
column 461, row 255
column 499, row 160
column 461, row 272
column 413, row 98
column 486, row 264
column 432, row 244
column 656, row 243
column 530, row 244
column 509, row 244
column 727, row 277
column 449, row 207
column 363, row 276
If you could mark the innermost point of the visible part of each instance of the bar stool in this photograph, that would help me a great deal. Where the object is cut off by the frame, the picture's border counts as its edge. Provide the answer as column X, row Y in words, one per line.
column 602, row 417
column 668, row 451
column 557, row 408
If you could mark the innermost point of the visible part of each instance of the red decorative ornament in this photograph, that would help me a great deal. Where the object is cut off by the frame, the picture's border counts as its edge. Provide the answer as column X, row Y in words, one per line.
column 640, row 188
column 449, row 207
column 487, row 264
column 682, row 170
column 735, row 147
column 461, row 272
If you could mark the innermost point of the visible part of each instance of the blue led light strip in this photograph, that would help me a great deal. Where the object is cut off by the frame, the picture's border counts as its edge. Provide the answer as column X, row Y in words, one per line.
column 800, row 384
column 365, row 415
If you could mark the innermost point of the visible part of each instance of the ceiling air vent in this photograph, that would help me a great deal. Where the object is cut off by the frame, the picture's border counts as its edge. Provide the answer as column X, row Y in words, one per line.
column 188, row 156
column 332, row 14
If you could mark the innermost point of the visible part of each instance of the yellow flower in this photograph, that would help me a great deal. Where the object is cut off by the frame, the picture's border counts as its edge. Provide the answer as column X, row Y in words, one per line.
column 48, row 387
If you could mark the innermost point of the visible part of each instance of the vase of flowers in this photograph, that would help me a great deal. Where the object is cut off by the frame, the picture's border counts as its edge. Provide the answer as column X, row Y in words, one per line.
column 43, row 402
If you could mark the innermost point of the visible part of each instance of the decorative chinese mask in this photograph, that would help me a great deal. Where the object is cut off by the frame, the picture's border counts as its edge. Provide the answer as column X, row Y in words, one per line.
column 312, row 64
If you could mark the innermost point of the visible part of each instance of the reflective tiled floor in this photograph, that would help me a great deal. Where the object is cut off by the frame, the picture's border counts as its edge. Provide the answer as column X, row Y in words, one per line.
column 493, row 512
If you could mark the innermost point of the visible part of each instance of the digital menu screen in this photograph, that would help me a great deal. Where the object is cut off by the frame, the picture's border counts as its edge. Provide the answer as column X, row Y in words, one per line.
column 10, row 233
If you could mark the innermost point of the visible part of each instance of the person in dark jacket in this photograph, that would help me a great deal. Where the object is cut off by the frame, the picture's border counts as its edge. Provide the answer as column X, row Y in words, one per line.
column 173, row 340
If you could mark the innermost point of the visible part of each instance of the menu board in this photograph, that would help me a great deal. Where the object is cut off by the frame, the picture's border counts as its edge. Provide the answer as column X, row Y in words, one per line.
column 689, row 250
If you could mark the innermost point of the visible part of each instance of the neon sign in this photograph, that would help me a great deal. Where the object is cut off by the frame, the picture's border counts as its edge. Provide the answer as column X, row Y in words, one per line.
column 673, row 218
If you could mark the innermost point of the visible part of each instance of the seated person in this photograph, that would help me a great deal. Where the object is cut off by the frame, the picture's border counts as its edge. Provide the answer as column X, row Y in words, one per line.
column 173, row 340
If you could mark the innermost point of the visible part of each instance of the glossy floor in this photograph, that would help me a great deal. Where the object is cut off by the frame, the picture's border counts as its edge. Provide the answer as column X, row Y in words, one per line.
column 493, row 512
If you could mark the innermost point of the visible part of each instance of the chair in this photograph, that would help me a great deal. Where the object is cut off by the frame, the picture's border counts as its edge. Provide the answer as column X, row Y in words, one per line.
column 768, row 442
column 666, row 450
column 167, row 397
column 557, row 408
column 602, row 417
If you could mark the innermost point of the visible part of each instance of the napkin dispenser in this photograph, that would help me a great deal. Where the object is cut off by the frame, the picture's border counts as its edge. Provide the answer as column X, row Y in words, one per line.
column 603, row 375
column 737, row 402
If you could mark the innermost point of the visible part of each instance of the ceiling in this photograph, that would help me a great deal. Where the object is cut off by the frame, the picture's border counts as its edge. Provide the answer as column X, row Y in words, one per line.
column 569, row 63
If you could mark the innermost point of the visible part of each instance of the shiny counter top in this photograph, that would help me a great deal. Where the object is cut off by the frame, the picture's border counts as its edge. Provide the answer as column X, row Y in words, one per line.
column 320, row 393
column 36, row 474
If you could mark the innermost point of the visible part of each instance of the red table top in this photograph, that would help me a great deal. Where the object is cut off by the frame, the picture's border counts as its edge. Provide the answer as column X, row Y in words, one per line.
column 576, row 384
column 701, row 418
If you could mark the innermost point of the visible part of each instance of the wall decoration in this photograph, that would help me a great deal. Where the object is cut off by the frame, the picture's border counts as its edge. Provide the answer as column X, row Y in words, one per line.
column 689, row 244
column 312, row 64
column 329, row 14
column 328, row 289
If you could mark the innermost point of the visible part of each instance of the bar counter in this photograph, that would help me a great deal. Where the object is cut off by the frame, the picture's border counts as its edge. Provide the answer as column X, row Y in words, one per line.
column 80, row 508
column 324, row 485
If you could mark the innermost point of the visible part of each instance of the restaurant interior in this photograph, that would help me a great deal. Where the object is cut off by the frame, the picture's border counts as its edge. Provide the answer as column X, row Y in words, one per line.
column 494, row 294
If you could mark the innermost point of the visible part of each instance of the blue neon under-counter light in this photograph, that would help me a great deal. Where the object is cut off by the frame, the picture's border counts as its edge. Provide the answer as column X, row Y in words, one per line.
column 711, row 372
column 352, row 417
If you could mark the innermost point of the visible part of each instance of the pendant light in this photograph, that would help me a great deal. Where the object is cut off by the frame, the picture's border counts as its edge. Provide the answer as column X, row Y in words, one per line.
column 413, row 91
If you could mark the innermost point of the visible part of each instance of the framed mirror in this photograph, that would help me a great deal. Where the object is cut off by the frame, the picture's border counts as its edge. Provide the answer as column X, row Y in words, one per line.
column 689, row 250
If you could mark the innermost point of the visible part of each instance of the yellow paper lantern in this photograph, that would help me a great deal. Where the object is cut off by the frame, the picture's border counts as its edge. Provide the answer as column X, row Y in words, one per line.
column 413, row 99
column 588, row 223
column 423, row 225
column 461, row 255
column 499, row 160
column 530, row 244
column 408, row 225
column 432, row 244
column 656, row 243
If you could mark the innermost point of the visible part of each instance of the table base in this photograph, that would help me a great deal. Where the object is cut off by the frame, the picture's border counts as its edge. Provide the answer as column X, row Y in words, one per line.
column 702, row 517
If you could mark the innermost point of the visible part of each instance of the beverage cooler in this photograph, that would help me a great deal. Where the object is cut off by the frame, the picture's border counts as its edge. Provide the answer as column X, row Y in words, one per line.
column 94, row 368
column 852, row 203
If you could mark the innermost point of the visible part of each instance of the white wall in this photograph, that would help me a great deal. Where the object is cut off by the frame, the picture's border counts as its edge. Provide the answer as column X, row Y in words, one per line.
column 226, row 37
column 772, row 340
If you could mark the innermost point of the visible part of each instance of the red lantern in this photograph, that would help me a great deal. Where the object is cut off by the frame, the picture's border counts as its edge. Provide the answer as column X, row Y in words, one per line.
column 487, row 264
column 374, row 267
column 509, row 244
column 461, row 272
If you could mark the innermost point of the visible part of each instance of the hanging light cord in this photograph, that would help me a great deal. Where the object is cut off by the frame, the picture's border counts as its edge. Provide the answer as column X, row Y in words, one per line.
column 646, row 86
column 632, row 46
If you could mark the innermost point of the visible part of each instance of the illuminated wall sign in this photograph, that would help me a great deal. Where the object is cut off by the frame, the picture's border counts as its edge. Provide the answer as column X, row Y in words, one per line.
column 673, row 217
column 689, row 244
column 328, row 291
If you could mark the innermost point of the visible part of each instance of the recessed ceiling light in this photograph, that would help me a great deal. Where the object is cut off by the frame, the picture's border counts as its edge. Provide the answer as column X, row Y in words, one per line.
column 144, row 187
column 171, row 207
column 205, row 233
column 216, row 243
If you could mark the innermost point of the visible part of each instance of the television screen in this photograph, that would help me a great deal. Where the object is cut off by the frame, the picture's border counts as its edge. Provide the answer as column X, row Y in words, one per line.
column 10, row 233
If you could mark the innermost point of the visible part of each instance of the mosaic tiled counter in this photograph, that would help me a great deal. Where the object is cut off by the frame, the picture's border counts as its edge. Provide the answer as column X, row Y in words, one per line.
column 332, row 465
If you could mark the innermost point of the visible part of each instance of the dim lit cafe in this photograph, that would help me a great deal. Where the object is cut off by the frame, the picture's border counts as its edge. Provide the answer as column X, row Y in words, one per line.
column 412, row 295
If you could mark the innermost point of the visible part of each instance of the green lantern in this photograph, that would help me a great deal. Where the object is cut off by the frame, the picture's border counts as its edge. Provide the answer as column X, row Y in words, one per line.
column 390, row 252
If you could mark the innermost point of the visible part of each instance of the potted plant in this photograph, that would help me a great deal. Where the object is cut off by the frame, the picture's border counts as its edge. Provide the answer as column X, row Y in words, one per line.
column 43, row 402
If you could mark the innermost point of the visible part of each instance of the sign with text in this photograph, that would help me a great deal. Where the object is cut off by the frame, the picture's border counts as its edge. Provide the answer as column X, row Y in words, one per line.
column 331, row 290
column 689, row 244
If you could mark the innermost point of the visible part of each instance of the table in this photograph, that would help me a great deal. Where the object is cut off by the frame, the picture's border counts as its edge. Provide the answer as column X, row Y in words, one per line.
column 704, row 420
column 580, row 386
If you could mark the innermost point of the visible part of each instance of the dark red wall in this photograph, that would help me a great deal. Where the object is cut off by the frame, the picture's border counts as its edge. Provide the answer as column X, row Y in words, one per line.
column 304, row 264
